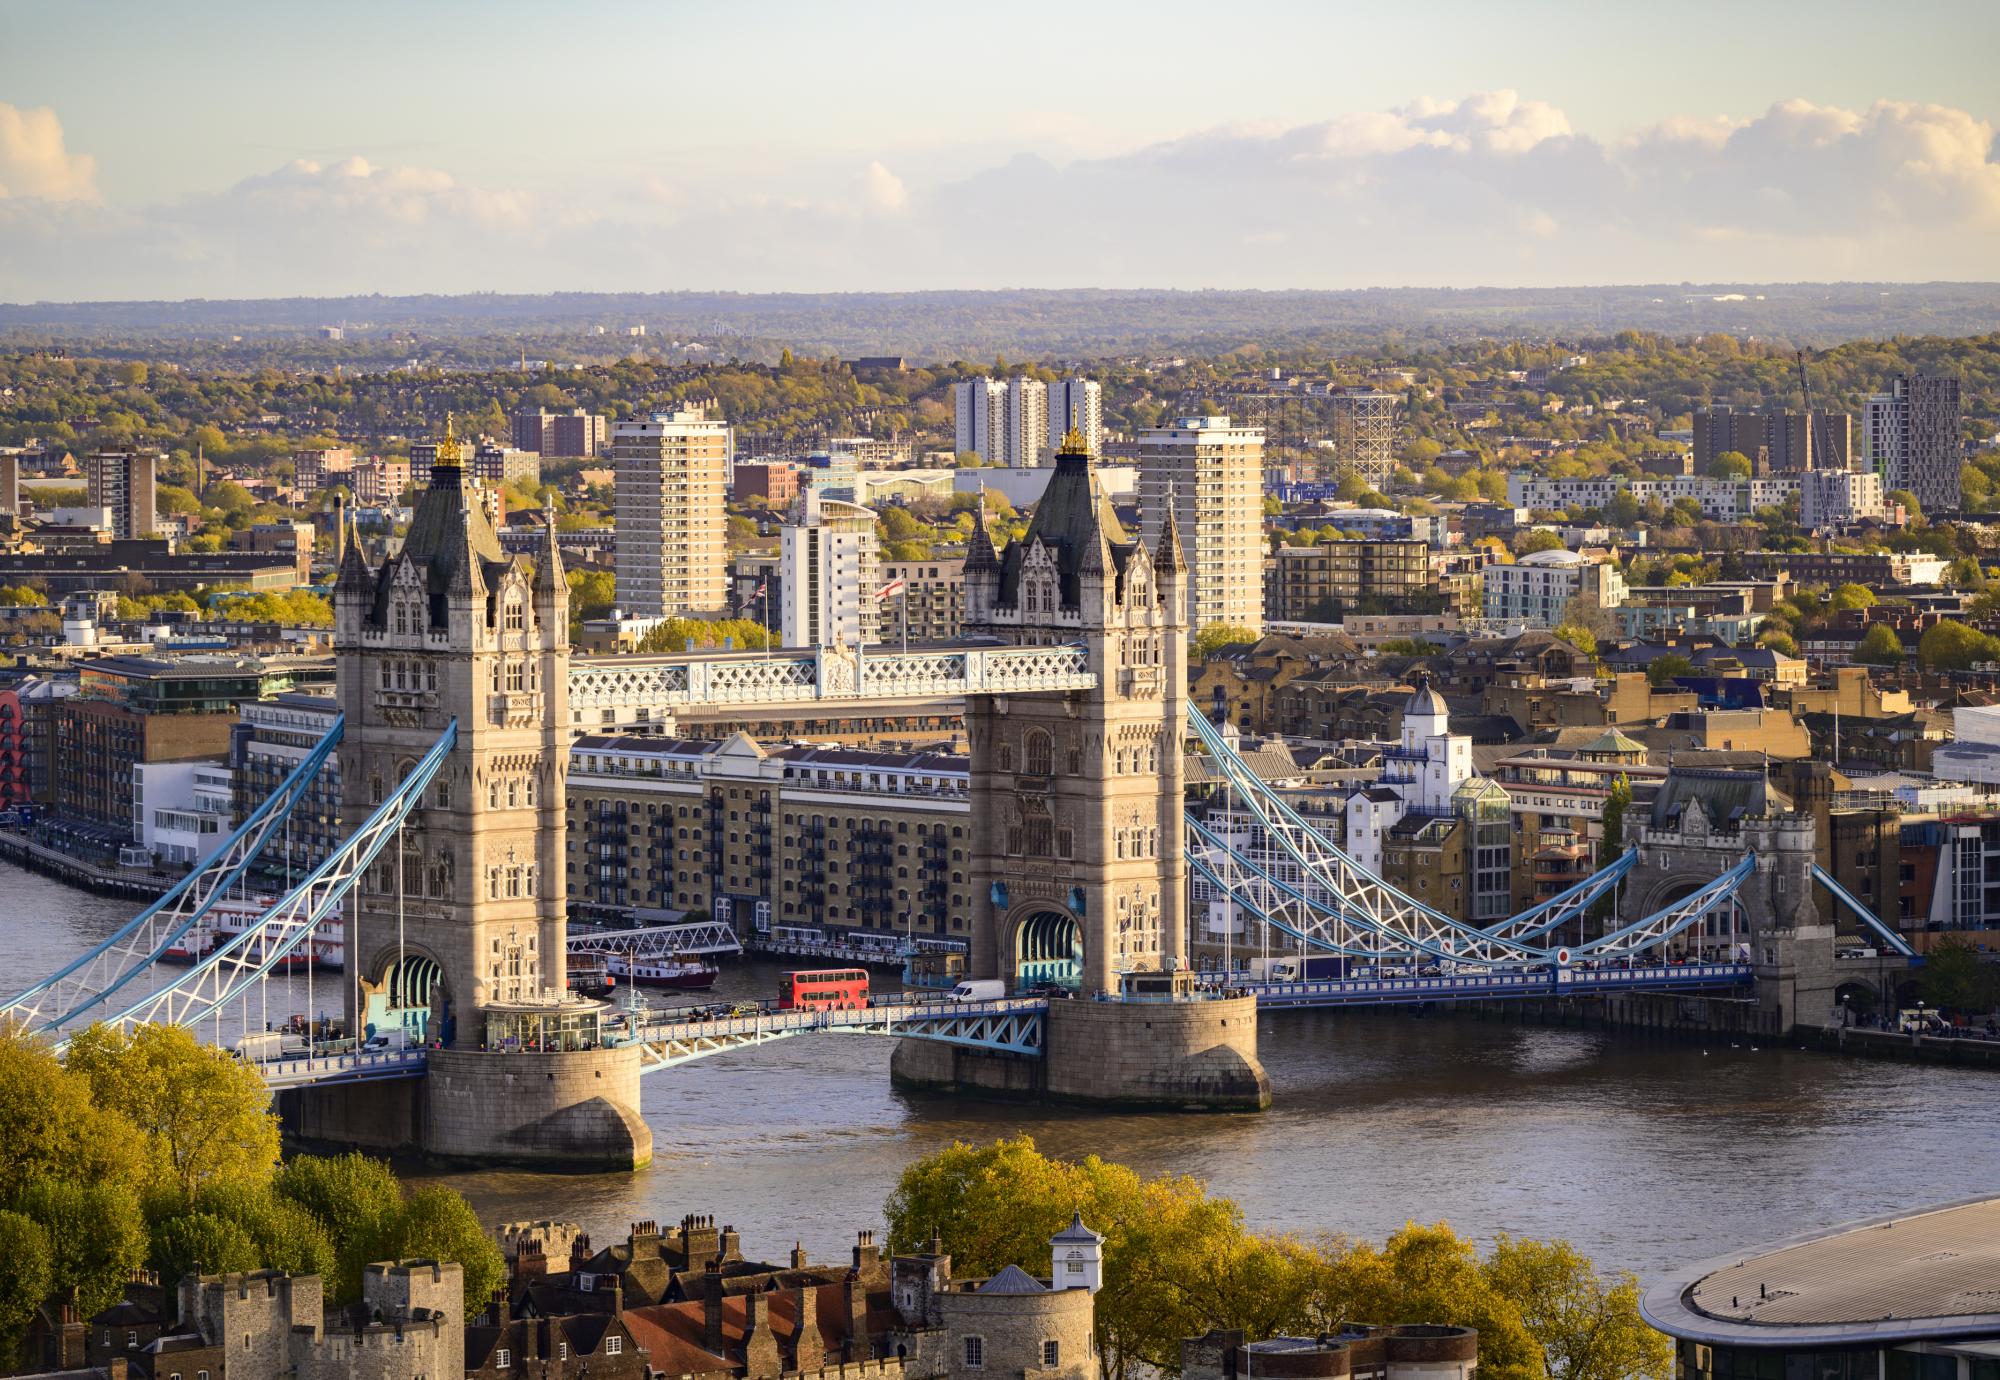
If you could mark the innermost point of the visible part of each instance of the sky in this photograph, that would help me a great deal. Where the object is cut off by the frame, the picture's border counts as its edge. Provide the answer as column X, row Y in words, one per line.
column 247, row 150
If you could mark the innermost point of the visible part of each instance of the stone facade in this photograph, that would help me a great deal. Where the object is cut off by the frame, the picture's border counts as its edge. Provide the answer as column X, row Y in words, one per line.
column 469, row 921
column 409, row 1325
column 1077, row 867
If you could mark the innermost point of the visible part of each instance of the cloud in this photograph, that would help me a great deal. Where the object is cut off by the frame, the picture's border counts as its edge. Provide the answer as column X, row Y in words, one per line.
column 882, row 191
column 34, row 162
column 1489, row 188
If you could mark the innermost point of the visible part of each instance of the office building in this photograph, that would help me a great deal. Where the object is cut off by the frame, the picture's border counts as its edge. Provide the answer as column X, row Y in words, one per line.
column 671, row 555
column 268, row 741
column 123, row 482
column 1839, row 498
column 1538, row 589
column 578, row 435
column 1910, row 438
column 313, row 470
column 979, row 408
column 1004, row 422
column 1215, row 472
column 857, row 845
column 1773, row 440
column 933, row 599
column 380, row 480
column 1077, row 405
column 10, row 482
column 494, row 463
column 776, row 482
column 1326, row 582
column 535, row 431
column 828, row 567
column 133, row 709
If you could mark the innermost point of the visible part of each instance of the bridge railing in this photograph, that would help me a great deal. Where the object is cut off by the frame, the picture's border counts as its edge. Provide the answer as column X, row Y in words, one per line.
column 884, row 1013
column 353, row 1066
column 1530, row 982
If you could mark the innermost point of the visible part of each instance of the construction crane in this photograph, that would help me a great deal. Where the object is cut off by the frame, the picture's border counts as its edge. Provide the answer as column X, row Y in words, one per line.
column 1819, row 438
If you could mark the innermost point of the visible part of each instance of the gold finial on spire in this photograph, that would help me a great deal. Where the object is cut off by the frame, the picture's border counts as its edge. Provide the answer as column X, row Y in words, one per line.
column 447, row 451
column 1073, row 443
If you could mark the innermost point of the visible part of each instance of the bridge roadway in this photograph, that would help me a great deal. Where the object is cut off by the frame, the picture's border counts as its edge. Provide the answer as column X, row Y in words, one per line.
column 1015, row 1024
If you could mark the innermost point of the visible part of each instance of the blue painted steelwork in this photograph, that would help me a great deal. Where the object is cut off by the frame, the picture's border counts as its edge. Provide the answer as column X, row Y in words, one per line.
column 1546, row 982
column 249, row 956
column 351, row 1067
column 92, row 979
column 1854, row 904
column 1010, row 1025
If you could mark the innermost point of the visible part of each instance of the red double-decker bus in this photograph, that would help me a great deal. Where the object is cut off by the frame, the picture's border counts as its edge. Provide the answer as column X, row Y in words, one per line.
column 825, row 989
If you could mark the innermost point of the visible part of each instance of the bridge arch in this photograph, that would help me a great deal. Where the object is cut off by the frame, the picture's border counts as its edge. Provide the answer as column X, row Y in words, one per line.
column 409, row 993
column 1048, row 947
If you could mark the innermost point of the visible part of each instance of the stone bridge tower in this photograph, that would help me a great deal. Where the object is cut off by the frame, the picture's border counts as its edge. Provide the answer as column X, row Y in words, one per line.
column 1080, row 878
column 1705, row 822
column 1077, row 858
column 459, row 941
column 451, row 629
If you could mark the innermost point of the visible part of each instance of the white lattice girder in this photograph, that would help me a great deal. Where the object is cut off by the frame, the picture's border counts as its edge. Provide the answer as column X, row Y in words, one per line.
column 88, row 984
column 660, row 941
column 827, row 673
column 233, row 969
column 1012, row 1024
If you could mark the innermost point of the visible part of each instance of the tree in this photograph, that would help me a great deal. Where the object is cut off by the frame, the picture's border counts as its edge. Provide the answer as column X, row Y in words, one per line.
column 1912, row 509
column 50, row 1128
column 26, row 1281
column 96, row 1234
column 1663, row 669
column 1879, row 646
column 1579, row 637
column 205, row 1115
column 1541, row 539
column 1955, row 647
column 1731, row 464
column 1616, row 802
column 358, row 1202
column 286, row 1235
column 1851, row 596
column 1588, row 1325
column 1779, row 641
column 1216, row 636
column 1954, row 979
column 438, row 1224
column 202, row 1241
column 22, row 596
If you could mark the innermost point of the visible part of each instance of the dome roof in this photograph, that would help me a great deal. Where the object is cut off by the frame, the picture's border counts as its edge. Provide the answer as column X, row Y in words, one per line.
column 1551, row 558
column 1424, row 700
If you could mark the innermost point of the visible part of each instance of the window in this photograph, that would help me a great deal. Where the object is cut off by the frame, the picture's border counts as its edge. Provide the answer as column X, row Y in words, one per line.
column 613, row 1345
column 1051, row 1353
column 975, row 1352
column 502, row 1359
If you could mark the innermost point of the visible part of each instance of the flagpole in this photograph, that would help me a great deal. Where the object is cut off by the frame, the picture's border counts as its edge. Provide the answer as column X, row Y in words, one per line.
column 903, row 603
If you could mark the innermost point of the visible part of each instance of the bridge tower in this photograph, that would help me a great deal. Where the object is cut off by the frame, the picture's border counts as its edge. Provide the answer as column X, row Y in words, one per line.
column 1076, row 796
column 460, row 942
column 1076, row 820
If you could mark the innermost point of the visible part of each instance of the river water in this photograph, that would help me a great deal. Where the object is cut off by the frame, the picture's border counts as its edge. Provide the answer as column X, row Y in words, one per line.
column 1646, row 1155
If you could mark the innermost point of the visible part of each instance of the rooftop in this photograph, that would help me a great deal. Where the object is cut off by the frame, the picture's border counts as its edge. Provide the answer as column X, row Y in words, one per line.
column 1933, row 1273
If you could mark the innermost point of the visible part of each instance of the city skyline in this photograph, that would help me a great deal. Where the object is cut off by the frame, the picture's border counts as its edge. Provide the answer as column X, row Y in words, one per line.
column 1582, row 148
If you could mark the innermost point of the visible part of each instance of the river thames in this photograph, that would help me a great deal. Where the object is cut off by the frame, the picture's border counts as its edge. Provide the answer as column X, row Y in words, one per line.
column 1645, row 1154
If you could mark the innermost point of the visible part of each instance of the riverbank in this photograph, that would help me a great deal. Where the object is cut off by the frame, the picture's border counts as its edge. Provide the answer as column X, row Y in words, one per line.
column 111, row 880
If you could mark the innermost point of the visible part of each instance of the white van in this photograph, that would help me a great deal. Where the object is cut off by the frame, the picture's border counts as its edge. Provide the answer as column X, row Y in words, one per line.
column 979, row 989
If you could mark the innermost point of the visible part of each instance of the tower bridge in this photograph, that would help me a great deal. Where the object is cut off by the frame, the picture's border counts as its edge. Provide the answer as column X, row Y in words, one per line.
column 459, row 701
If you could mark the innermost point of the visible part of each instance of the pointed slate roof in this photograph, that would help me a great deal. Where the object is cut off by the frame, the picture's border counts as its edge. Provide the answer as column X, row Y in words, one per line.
column 1077, row 1231
column 1076, row 522
column 1012, row 1280
column 451, row 541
